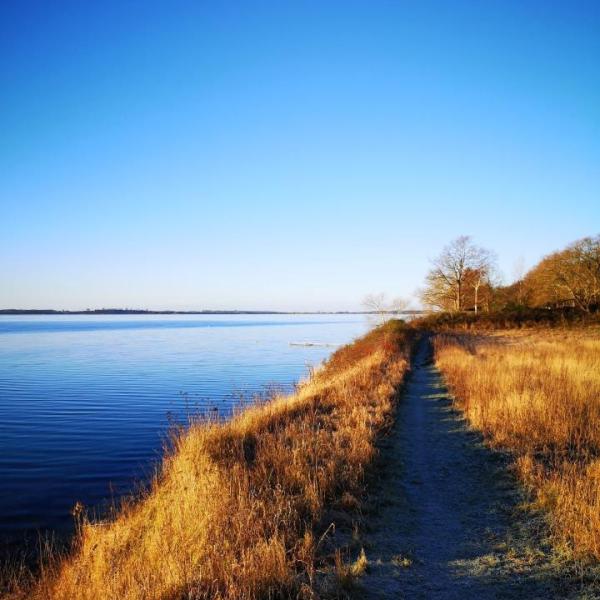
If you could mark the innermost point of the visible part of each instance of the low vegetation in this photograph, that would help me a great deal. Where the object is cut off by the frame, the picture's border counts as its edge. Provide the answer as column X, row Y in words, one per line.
column 536, row 393
column 509, row 318
column 238, row 508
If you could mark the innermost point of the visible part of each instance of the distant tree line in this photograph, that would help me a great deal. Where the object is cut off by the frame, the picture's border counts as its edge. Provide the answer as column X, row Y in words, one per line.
column 464, row 277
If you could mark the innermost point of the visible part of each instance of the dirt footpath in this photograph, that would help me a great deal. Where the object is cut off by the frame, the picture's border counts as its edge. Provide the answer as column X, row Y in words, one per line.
column 444, row 521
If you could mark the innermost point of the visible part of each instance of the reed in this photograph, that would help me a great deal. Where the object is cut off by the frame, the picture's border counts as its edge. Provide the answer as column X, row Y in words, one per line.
column 236, row 507
column 537, row 394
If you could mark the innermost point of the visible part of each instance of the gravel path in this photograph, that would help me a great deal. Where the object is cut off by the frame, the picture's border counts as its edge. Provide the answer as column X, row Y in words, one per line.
column 444, row 520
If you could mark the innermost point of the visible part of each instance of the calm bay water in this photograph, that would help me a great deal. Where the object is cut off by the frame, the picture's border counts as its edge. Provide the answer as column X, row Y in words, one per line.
column 86, row 401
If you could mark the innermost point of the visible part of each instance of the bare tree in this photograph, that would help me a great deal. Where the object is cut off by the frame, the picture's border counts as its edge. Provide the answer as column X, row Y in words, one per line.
column 380, row 306
column 461, row 266
column 479, row 273
column 569, row 277
column 518, row 277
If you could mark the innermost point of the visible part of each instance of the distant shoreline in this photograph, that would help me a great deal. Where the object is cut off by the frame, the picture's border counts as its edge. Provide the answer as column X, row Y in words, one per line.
column 126, row 311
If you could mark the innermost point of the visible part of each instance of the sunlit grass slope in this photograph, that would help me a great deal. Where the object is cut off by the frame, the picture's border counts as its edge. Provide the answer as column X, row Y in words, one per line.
column 236, row 507
column 538, row 395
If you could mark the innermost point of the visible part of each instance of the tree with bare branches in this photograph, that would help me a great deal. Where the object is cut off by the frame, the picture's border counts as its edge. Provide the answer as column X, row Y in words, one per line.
column 379, row 305
column 570, row 277
column 458, row 274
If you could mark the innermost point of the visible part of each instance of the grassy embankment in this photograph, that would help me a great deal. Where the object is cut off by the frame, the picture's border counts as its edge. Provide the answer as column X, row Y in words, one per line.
column 237, row 507
column 536, row 393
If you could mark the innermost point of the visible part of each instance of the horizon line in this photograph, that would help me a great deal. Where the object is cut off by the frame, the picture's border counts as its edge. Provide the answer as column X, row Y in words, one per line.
column 52, row 311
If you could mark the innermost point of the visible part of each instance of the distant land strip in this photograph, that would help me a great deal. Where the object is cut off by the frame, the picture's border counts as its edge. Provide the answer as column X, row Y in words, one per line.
column 135, row 311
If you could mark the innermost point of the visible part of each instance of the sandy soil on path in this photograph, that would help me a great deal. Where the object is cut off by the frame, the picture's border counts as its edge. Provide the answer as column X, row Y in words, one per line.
column 444, row 519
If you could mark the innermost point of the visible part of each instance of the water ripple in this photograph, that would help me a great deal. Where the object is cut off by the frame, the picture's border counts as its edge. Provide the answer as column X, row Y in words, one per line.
column 86, row 402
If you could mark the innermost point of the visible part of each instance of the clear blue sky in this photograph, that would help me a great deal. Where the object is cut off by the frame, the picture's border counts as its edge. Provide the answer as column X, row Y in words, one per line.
column 288, row 155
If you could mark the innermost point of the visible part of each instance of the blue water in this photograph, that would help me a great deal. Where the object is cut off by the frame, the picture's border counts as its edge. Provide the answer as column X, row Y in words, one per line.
column 86, row 401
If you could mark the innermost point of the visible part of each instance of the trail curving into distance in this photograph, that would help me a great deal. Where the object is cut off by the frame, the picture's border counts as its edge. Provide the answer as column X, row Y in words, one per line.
column 444, row 521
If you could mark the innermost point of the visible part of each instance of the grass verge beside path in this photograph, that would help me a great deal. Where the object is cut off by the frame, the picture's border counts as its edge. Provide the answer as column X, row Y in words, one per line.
column 537, row 394
column 236, row 508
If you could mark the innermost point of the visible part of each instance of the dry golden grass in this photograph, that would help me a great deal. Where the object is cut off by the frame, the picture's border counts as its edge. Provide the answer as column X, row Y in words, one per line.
column 236, row 506
column 537, row 394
